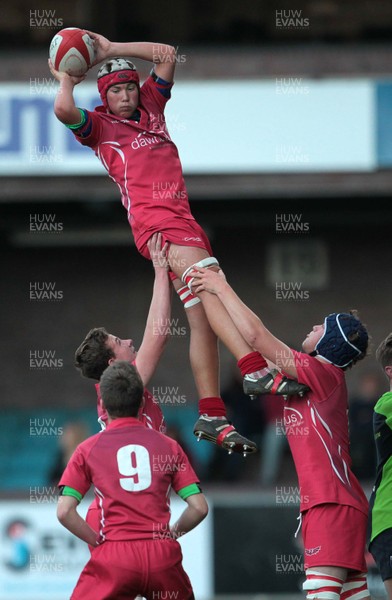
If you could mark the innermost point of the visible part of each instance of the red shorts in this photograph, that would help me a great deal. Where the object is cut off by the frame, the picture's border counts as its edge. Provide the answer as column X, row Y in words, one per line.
column 334, row 535
column 122, row 570
column 182, row 232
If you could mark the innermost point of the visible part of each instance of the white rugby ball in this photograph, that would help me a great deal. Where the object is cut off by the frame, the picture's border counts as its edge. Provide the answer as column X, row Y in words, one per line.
column 72, row 51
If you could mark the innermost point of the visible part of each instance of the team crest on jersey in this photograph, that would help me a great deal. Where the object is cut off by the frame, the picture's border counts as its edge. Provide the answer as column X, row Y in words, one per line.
column 294, row 422
column 292, row 417
column 312, row 551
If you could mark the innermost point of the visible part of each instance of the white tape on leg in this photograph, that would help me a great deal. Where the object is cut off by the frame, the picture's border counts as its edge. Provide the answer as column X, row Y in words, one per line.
column 187, row 297
column 321, row 586
column 187, row 278
column 355, row 587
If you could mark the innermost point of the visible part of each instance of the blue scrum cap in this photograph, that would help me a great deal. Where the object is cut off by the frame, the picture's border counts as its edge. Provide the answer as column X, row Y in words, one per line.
column 344, row 339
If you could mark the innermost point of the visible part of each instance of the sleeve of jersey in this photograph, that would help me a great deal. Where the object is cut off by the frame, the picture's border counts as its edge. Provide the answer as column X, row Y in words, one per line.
column 189, row 490
column 322, row 378
column 76, row 474
column 157, row 91
column 183, row 473
column 88, row 131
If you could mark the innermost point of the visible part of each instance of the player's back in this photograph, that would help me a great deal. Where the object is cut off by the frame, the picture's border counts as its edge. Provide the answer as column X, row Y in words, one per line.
column 133, row 470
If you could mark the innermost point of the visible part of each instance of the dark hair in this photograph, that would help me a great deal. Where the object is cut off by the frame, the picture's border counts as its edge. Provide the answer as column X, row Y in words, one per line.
column 93, row 355
column 121, row 389
column 384, row 352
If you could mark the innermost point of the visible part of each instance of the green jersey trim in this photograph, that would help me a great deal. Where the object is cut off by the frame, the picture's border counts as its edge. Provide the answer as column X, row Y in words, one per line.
column 189, row 490
column 68, row 491
column 81, row 122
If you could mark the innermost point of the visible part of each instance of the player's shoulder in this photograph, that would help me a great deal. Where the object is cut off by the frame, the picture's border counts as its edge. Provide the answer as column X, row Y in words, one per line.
column 306, row 361
column 156, row 88
column 384, row 404
column 88, row 444
column 91, row 440
column 148, row 396
column 151, row 402
column 148, row 81
column 164, row 440
column 323, row 378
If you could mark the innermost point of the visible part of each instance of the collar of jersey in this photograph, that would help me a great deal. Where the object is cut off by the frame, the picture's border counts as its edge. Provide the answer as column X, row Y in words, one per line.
column 124, row 422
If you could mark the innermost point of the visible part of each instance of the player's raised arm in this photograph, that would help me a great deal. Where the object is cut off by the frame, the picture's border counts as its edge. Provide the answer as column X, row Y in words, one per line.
column 247, row 322
column 162, row 55
column 65, row 108
column 157, row 328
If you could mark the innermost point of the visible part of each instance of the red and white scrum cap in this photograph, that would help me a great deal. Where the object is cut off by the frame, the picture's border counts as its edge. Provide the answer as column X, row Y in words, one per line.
column 116, row 70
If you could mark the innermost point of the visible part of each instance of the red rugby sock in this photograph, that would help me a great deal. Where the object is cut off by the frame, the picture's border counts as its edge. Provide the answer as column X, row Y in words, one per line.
column 252, row 364
column 213, row 407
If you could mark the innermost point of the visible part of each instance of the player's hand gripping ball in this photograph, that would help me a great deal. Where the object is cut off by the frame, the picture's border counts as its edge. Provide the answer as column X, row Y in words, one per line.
column 72, row 51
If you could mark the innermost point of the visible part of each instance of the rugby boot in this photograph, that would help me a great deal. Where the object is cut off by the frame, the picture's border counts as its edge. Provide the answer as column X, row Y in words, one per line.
column 222, row 433
column 273, row 383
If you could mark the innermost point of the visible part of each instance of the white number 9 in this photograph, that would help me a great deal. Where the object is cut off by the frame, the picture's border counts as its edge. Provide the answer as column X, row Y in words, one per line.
column 134, row 463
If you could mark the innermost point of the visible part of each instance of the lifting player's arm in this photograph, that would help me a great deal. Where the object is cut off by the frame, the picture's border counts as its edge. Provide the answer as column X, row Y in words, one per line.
column 65, row 108
column 250, row 326
column 162, row 55
column 157, row 328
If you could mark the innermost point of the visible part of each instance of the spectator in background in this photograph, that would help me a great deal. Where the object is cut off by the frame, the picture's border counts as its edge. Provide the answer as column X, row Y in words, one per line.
column 361, row 405
column 74, row 434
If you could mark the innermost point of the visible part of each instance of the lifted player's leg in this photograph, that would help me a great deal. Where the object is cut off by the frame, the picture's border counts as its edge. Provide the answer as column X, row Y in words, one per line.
column 182, row 260
column 258, row 378
column 212, row 424
column 273, row 382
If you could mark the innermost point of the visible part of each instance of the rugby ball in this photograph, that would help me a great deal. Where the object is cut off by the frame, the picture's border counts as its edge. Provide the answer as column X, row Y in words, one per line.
column 72, row 51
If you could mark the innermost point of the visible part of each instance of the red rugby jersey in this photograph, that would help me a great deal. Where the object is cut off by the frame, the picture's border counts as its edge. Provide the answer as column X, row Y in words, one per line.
column 317, row 431
column 133, row 470
column 142, row 159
